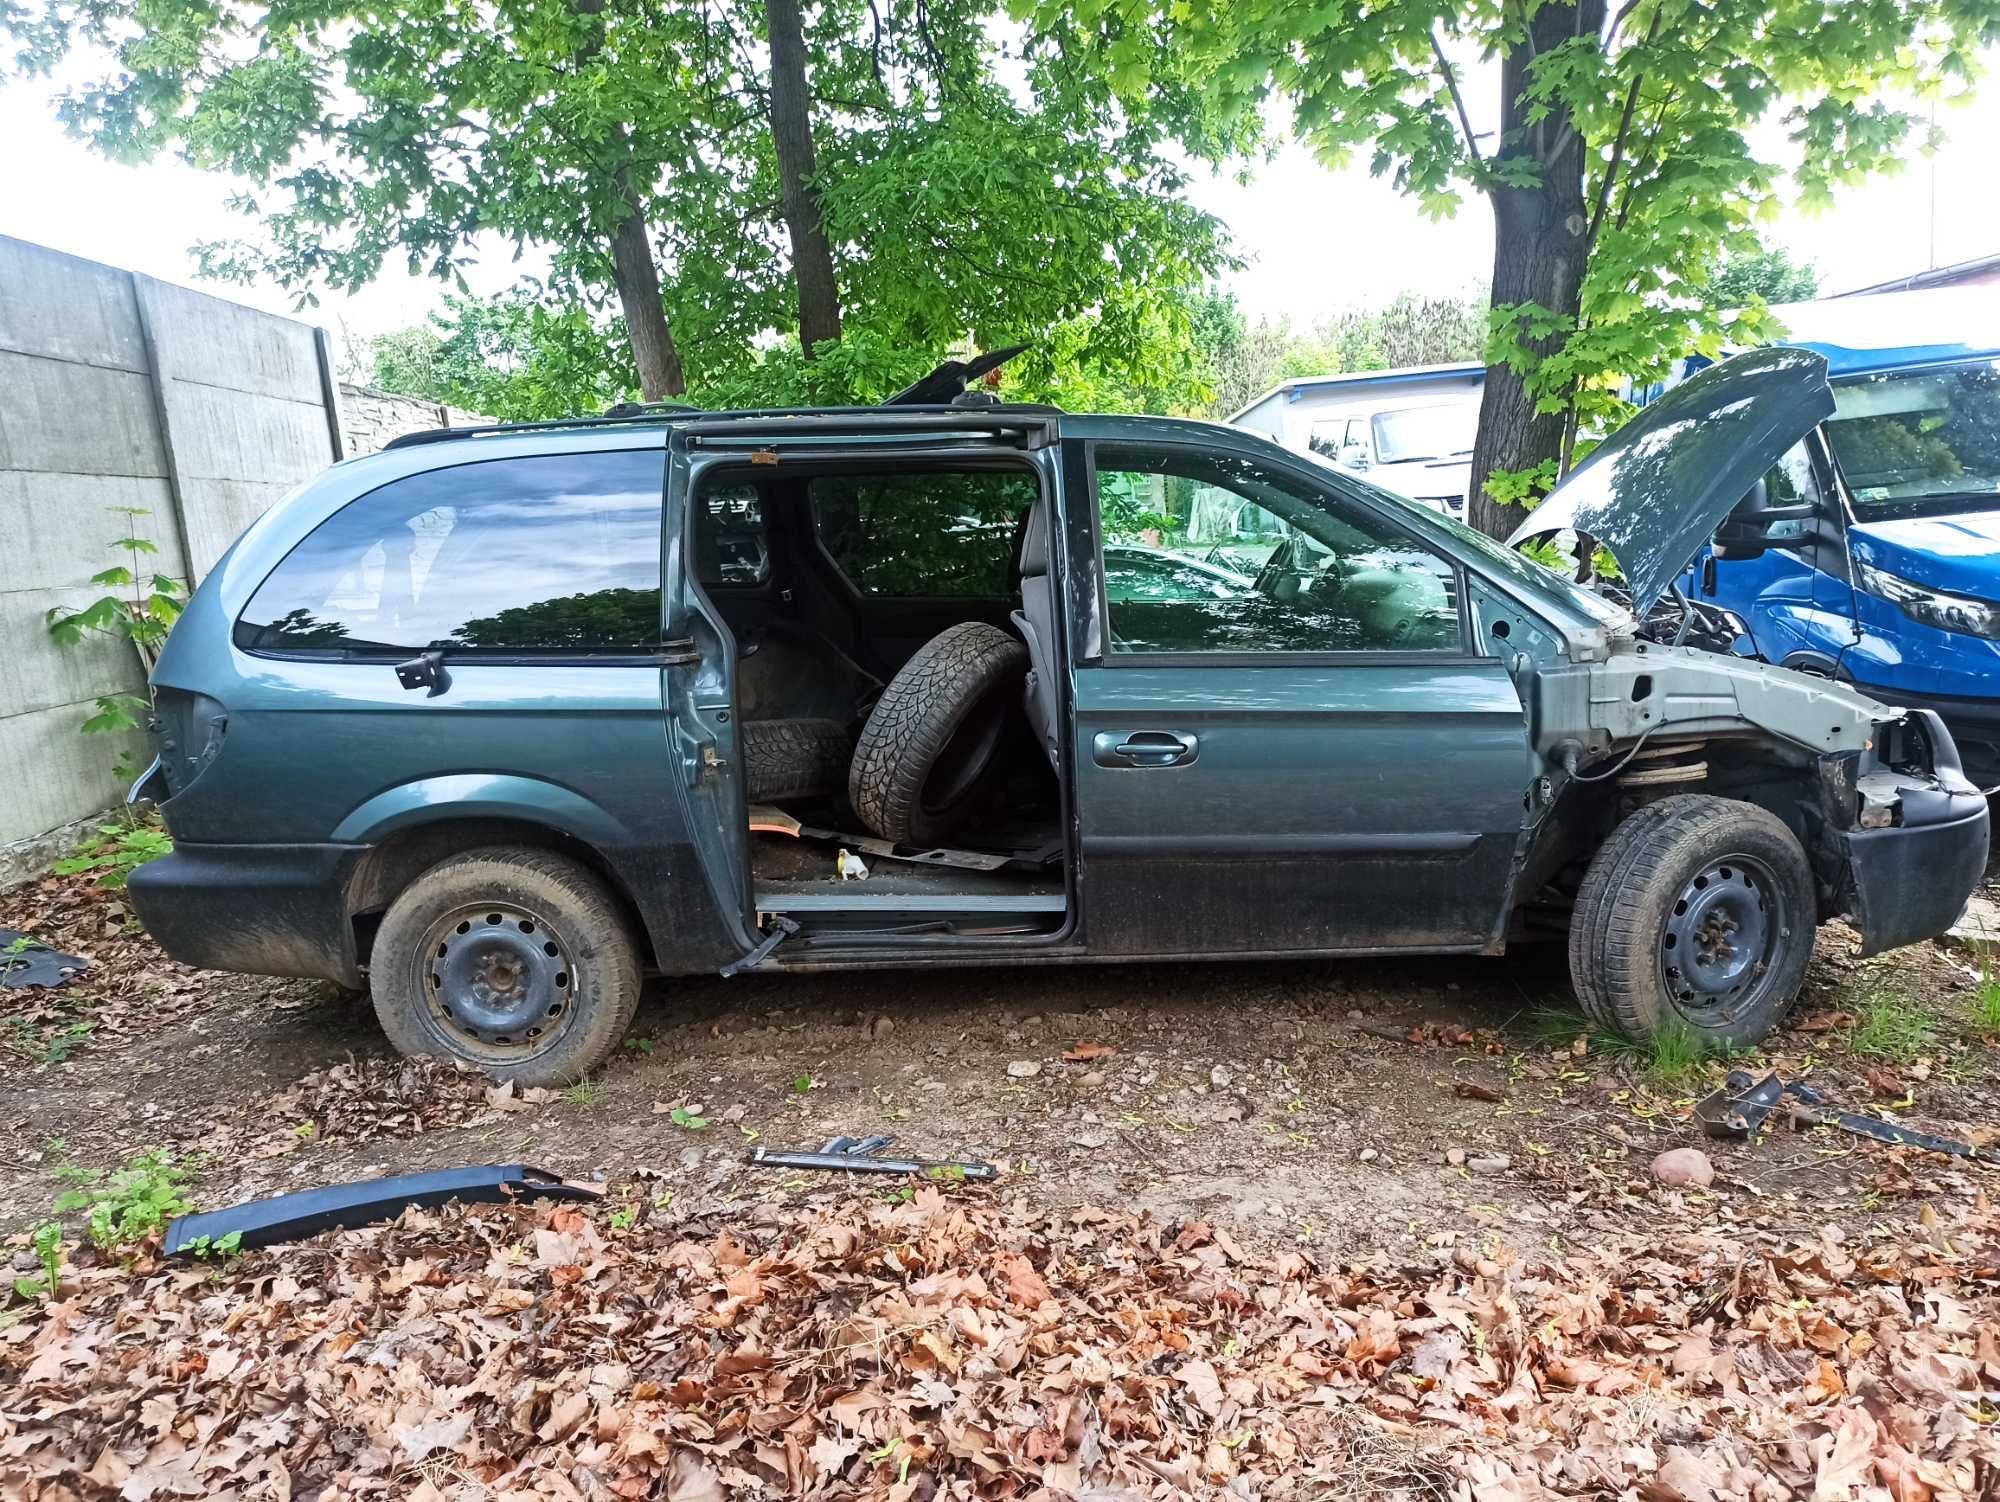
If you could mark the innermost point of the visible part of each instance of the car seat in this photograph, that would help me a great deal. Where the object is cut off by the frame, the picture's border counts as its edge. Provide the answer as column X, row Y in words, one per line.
column 1036, row 621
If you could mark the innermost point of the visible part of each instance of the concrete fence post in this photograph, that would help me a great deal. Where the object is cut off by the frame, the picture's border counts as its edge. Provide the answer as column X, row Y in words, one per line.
column 156, row 378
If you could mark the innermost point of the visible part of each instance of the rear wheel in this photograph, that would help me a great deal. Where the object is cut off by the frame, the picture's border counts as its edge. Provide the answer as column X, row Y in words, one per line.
column 1698, row 912
column 515, row 960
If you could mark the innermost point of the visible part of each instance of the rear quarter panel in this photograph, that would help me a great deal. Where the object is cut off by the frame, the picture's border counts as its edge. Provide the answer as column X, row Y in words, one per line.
column 319, row 751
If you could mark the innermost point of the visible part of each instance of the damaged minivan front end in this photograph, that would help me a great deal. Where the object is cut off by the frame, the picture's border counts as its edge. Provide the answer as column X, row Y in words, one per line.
column 1896, row 834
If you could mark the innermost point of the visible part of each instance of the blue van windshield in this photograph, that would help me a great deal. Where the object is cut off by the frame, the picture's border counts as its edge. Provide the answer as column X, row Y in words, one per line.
column 1920, row 442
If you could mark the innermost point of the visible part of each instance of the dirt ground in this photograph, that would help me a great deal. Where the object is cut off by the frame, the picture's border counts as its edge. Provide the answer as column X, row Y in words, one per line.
column 1352, row 1108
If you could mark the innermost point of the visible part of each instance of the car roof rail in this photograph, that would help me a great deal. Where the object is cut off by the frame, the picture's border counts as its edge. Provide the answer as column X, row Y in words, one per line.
column 1012, row 417
column 1030, row 427
column 623, row 414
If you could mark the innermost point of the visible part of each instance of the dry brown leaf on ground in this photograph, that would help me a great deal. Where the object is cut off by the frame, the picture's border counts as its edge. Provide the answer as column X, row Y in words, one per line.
column 964, row 1344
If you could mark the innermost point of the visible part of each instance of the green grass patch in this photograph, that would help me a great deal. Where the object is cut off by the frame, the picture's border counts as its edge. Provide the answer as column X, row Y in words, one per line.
column 1986, row 998
column 1892, row 1028
column 131, row 1202
column 1676, row 1057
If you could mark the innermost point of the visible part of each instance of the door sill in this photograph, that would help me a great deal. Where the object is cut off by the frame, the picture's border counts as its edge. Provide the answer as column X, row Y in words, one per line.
column 925, row 904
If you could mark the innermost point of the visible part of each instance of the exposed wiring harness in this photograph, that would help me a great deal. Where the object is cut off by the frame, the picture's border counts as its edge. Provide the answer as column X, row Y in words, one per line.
column 1570, row 758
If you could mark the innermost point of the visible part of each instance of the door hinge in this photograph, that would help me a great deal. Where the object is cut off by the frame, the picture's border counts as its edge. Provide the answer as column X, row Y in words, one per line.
column 681, row 652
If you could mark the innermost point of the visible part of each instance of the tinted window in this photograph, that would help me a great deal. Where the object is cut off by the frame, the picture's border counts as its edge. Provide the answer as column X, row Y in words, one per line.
column 1213, row 553
column 557, row 552
column 925, row 535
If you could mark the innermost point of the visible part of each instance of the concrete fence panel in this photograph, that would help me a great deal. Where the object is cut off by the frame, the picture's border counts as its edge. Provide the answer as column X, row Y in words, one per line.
column 120, row 393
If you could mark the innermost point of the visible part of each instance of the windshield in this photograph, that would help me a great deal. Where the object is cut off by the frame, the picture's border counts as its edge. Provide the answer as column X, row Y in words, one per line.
column 1920, row 442
column 1532, row 576
column 1408, row 434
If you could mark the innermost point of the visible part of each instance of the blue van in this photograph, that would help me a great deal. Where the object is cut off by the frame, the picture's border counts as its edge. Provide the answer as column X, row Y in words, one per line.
column 1875, row 554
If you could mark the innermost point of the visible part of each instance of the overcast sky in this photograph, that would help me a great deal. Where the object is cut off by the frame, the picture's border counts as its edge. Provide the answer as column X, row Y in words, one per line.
column 1315, row 241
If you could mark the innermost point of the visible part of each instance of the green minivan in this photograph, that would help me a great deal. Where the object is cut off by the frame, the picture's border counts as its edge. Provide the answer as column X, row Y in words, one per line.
column 501, row 720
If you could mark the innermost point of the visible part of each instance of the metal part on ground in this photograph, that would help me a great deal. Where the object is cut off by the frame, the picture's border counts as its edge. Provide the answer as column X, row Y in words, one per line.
column 767, row 820
column 33, row 964
column 339, row 1207
column 1742, row 1107
column 861, row 1155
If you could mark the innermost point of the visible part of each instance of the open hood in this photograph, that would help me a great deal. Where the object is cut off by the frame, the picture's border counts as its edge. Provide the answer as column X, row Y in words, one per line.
column 1655, row 490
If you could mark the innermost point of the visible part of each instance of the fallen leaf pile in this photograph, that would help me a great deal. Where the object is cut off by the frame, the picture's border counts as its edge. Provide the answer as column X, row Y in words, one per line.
column 964, row 1344
column 129, row 989
column 365, row 1100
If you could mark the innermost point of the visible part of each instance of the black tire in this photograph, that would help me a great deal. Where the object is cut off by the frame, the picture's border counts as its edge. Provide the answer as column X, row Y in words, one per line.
column 542, row 996
column 926, row 749
column 794, row 759
column 1698, row 911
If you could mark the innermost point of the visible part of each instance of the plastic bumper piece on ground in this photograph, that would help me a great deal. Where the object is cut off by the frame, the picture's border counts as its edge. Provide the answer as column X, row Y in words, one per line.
column 289, row 1217
column 259, row 909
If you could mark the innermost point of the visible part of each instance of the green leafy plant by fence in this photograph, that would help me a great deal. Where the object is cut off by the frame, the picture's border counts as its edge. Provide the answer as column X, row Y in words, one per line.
column 140, row 606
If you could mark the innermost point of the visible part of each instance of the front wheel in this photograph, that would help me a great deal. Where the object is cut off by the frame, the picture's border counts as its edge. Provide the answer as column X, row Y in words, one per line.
column 1698, row 912
column 516, row 960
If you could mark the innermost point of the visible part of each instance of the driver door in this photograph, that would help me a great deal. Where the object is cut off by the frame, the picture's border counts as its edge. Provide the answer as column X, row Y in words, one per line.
column 1283, row 740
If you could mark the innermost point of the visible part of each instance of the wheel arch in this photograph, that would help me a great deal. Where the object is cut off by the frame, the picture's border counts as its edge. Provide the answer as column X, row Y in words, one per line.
column 412, row 846
column 1761, row 770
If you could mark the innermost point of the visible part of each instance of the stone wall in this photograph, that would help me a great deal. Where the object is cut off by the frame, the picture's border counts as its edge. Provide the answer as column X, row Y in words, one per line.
column 370, row 418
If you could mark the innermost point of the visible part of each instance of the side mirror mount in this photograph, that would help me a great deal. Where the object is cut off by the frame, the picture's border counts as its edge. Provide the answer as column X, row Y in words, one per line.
column 1742, row 535
column 1354, row 456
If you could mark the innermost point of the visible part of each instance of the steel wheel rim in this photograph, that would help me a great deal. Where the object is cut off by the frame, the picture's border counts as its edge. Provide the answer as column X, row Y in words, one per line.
column 1721, row 938
column 499, row 981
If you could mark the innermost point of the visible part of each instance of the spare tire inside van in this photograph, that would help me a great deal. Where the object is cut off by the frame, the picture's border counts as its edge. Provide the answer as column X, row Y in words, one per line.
column 925, row 751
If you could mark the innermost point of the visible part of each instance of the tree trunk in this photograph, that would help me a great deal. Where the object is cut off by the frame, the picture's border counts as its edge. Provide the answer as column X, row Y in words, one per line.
column 633, row 271
column 1539, row 255
column 638, row 281
column 791, row 138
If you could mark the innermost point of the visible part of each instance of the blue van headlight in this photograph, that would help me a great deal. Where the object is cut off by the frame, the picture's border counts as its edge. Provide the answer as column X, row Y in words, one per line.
column 1960, row 613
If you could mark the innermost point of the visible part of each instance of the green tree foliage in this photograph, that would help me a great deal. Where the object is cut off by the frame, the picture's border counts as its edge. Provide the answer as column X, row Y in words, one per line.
column 629, row 617
column 520, row 356
column 1770, row 275
column 961, row 194
column 1623, row 173
column 1240, row 360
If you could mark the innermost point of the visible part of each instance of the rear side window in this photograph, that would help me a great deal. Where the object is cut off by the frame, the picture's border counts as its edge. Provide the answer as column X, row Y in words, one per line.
column 555, row 553
column 925, row 535
column 731, row 549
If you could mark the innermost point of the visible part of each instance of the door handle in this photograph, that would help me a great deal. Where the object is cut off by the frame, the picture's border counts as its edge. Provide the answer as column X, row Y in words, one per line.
column 1143, row 748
